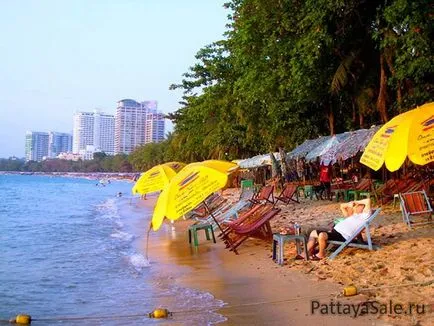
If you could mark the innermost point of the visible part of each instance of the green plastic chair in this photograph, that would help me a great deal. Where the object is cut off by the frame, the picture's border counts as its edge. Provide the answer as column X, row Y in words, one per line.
column 192, row 232
column 246, row 184
column 308, row 191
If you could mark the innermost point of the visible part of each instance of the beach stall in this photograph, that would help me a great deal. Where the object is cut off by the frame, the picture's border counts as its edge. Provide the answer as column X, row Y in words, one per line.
column 307, row 146
column 349, row 147
column 324, row 146
column 260, row 166
column 258, row 161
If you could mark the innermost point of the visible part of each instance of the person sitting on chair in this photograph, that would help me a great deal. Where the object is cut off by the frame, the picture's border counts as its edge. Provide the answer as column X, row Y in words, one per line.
column 356, row 213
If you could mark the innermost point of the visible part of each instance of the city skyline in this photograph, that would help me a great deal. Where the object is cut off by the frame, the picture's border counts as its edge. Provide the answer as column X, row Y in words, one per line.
column 134, row 124
column 85, row 54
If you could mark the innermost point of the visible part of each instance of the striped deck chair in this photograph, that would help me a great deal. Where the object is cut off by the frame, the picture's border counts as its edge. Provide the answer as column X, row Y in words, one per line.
column 413, row 204
column 264, row 195
column 254, row 226
column 351, row 242
column 244, row 217
column 288, row 193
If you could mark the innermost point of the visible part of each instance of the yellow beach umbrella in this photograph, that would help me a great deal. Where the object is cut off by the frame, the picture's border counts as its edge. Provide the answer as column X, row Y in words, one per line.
column 408, row 134
column 156, row 178
column 222, row 166
column 189, row 188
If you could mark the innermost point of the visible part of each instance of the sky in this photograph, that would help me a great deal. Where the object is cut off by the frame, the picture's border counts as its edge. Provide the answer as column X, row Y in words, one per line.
column 62, row 56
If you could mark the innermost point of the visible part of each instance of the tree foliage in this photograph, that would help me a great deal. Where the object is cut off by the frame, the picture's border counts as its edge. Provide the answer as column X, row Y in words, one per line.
column 101, row 163
column 289, row 70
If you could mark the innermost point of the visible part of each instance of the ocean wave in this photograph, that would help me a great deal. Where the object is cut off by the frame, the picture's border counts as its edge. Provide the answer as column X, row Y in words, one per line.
column 188, row 302
column 108, row 209
column 139, row 261
column 125, row 236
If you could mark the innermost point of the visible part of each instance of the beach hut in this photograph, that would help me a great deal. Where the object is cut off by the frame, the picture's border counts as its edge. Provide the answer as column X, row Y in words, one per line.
column 307, row 146
column 349, row 147
column 324, row 146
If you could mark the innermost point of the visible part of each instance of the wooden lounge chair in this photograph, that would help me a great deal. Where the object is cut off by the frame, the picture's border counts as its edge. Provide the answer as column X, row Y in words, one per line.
column 244, row 217
column 228, row 211
column 413, row 204
column 260, row 225
column 288, row 193
column 264, row 195
column 357, row 234
column 214, row 203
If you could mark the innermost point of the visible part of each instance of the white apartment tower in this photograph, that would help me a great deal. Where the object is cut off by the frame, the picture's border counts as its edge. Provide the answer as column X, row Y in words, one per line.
column 93, row 130
column 154, row 127
column 36, row 145
column 104, row 132
column 132, row 125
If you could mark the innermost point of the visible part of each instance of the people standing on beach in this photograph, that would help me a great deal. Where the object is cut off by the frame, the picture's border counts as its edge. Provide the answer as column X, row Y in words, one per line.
column 325, row 179
column 300, row 169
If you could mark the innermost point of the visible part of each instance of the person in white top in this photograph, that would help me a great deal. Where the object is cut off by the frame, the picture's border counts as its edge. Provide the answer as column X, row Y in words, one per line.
column 356, row 213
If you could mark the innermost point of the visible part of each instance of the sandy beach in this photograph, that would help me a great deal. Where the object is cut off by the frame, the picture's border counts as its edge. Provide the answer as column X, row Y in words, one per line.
column 257, row 291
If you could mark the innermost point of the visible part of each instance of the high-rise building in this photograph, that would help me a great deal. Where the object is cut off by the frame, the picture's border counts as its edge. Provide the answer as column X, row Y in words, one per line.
column 137, row 124
column 154, row 127
column 104, row 132
column 93, row 129
column 82, row 131
column 130, row 124
column 151, row 106
column 59, row 142
column 36, row 145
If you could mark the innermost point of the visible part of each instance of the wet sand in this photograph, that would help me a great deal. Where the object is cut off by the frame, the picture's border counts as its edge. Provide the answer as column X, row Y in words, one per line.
column 257, row 291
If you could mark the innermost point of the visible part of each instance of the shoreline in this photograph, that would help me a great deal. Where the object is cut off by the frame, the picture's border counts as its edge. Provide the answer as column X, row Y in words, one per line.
column 254, row 288
column 118, row 176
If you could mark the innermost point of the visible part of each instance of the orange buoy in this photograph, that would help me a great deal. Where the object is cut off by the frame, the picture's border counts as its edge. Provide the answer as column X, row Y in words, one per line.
column 350, row 290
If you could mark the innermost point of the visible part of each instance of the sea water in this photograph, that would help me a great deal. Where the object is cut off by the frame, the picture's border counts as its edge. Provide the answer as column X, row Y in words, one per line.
column 68, row 256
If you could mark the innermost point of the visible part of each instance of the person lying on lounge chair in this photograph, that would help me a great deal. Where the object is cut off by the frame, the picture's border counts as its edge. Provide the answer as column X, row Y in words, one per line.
column 356, row 213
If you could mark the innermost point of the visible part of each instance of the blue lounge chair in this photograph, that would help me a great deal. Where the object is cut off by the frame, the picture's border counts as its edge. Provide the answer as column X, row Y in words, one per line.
column 358, row 244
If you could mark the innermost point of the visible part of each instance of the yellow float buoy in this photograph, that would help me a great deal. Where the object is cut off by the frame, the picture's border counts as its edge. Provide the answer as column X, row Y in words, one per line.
column 350, row 290
column 160, row 313
column 22, row 320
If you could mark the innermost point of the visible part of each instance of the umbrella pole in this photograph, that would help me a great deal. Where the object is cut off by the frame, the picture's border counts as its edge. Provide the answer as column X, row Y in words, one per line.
column 218, row 224
column 215, row 220
column 147, row 240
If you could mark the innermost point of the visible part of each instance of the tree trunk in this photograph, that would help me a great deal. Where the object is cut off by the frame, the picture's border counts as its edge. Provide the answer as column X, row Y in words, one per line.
column 382, row 94
column 275, row 171
column 354, row 117
column 331, row 120
column 398, row 89
column 283, row 163
column 361, row 120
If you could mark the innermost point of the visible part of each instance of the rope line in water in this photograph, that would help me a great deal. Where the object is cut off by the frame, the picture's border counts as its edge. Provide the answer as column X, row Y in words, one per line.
column 66, row 318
